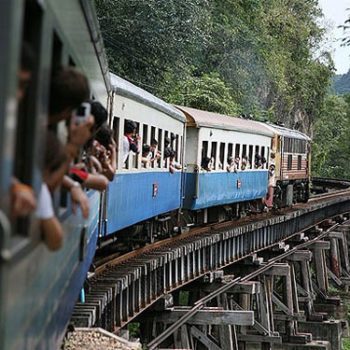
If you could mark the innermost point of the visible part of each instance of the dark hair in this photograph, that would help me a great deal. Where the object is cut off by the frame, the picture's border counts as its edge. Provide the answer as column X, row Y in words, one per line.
column 167, row 152
column 69, row 88
column 104, row 135
column 146, row 148
column 166, row 141
column 205, row 162
column 154, row 142
column 99, row 112
column 55, row 154
column 129, row 126
column 27, row 57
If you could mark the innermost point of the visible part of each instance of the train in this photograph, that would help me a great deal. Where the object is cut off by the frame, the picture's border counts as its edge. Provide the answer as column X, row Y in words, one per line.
column 38, row 288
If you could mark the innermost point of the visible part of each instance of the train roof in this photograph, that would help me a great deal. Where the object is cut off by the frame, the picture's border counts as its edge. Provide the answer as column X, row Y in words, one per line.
column 199, row 118
column 124, row 88
column 283, row 131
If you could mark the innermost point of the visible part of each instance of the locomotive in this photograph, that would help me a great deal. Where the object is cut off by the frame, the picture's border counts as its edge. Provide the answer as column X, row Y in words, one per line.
column 39, row 288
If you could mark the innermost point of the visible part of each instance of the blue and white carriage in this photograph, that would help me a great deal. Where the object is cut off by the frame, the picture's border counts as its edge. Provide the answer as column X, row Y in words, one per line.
column 219, row 137
column 140, row 193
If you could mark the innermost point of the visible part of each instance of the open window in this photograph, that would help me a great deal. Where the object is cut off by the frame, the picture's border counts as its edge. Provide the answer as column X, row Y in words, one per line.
column 299, row 162
column 289, row 162
column 250, row 158
column 116, row 133
column 222, row 156
column 213, row 155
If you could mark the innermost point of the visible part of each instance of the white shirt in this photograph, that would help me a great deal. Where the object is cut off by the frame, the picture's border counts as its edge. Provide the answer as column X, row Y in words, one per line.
column 45, row 209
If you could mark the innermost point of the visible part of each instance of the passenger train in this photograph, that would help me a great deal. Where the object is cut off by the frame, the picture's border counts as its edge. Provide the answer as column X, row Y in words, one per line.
column 38, row 288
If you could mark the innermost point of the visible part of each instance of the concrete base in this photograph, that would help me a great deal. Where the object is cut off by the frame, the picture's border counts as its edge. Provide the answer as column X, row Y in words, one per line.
column 330, row 331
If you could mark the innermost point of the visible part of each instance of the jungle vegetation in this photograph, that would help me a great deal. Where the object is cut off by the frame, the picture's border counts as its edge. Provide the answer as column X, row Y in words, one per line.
column 252, row 57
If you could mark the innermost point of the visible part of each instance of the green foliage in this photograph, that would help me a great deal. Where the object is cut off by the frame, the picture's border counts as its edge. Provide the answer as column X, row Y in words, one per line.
column 228, row 56
column 341, row 83
column 331, row 144
column 207, row 92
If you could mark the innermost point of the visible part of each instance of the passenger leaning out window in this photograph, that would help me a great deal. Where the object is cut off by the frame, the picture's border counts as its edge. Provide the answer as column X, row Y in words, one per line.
column 131, row 139
column 55, row 167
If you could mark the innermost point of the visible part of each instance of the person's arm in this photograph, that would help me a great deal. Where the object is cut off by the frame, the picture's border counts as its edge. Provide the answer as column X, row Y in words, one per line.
column 23, row 201
column 78, row 196
column 96, row 182
column 52, row 233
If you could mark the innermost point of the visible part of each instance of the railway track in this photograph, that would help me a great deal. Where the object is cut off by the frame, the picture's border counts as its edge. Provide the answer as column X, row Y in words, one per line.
column 124, row 287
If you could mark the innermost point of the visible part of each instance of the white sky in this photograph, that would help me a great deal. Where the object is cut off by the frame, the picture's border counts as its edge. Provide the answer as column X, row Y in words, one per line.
column 335, row 14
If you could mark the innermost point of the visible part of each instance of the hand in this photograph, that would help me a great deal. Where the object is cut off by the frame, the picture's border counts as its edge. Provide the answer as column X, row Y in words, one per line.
column 80, row 198
column 79, row 134
column 23, row 200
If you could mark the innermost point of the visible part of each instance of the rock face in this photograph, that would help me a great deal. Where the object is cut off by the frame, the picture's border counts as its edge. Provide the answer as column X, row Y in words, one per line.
column 97, row 339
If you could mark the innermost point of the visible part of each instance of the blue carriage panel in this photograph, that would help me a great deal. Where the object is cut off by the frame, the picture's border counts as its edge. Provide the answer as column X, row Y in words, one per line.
column 134, row 197
column 205, row 190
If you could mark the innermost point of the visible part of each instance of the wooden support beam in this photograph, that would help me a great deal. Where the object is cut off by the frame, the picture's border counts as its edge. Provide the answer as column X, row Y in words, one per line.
column 209, row 317
column 300, row 255
column 205, row 340
column 278, row 269
column 272, row 339
column 320, row 245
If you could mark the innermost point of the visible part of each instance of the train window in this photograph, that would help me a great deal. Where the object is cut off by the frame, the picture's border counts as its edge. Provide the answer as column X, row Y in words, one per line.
column 57, row 48
column 145, row 135
column 268, row 157
column 160, row 148
column 213, row 154
column 167, row 147
column 289, row 162
column 135, row 156
column 115, row 126
column 244, row 153
column 263, row 152
column 250, row 157
column 237, row 149
column 230, row 150
column 204, row 149
column 222, row 155
column 299, row 162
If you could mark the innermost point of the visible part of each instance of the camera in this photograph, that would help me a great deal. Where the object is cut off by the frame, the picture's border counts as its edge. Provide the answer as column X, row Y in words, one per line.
column 81, row 113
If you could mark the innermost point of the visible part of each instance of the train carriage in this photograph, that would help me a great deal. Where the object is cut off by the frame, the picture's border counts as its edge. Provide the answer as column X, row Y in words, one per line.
column 291, row 150
column 140, row 192
column 219, row 137
column 38, row 288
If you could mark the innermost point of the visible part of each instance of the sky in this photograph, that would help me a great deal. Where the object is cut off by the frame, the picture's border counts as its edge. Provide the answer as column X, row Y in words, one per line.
column 335, row 14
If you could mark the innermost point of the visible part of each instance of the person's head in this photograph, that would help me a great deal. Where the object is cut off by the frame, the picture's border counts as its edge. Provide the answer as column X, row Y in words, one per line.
column 145, row 150
column 26, row 70
column 166, row 141
column 154, row 144
column 100, row 114
column 230, row 160
column 104, row 136
column 272, row 155
column 205, row 162
column 167, row 152
column 263, row 160
column 129, row 127
column 55, row 161
column 172, row 154
column 69, row 88
column 272, row 167
column 237, row 159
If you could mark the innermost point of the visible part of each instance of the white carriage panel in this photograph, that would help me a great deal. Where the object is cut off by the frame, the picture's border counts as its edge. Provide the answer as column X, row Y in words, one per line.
column 191, row 148
column 126, row 108
column 228, row 136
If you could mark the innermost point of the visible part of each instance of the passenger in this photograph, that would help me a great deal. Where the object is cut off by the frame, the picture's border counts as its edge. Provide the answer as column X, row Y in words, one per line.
column 69, row 88
column 154, row 155
column 174, row 165
column 233, row 164
column 257, row 162
column 205, row 164
column 131, row 140
column 263, row 162
column 244, row 164
column 271, row 187
column 55, row 166
column 23, row 200
column 145, row 159
column 108, row 158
